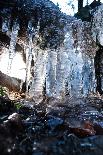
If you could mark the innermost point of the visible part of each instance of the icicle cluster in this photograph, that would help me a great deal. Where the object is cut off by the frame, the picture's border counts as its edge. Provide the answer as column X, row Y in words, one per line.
column 68, row 69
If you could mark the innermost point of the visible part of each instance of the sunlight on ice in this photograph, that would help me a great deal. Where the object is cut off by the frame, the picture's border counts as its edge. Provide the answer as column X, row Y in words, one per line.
column 18, row 68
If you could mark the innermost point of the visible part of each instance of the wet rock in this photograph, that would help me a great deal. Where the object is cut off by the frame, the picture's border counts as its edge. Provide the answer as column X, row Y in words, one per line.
column 86, row 129
column 53, row 122
column 73, row 122
column 80, row 132
column 26, row 110
column 14, row 124
column 40, row 113
column 8, row 142
column 70, row 144
column 30, row 121
column 98, row 127
column 14, row 117
column 3, row 118
column 92, row 115
column 6, row 106
column 74, row 145
column 55, row 110
column 62, row 131
column 92, row 145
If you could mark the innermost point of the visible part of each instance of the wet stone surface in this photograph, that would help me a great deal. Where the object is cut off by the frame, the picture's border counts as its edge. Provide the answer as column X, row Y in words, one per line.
column 74, row 127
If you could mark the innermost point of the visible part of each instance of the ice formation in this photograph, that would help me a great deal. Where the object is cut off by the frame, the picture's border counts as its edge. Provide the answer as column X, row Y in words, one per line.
column 66, row 70
column 12, row 46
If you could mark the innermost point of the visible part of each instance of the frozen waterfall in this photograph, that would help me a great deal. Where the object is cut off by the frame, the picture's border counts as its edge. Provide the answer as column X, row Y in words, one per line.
column 66, row 70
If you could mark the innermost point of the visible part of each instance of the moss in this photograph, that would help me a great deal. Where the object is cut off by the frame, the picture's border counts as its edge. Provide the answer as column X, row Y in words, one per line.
column 2, row 91
column 18, row 105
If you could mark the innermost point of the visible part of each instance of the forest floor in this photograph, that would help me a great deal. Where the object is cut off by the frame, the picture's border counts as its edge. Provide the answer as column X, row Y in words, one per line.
column 72, row 127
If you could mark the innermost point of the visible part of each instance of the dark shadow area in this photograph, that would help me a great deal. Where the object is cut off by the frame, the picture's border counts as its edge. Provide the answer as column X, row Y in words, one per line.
column 99, row 69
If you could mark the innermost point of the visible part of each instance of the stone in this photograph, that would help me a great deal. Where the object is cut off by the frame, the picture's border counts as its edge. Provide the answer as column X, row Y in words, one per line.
column 98, row 127
column 92, row 145
column 53, row 122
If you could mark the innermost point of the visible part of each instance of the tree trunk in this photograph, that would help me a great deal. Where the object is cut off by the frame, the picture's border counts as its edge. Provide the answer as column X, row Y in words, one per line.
column 80, row 5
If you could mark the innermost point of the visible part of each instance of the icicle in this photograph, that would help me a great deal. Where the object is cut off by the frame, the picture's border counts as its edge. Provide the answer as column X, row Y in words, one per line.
column 38, row 84
column 51, row 73
column 29, row 53
column 5, row 25
column 12, row 46
column 61, row 72
column 74, row 65
column 6, row 20
column 38, row 27
column 97, row 25
column 88, row 73
column 92, row 79
column 70, row 68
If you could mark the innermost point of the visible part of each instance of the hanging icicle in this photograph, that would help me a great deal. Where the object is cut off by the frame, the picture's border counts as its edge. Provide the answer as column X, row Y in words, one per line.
column 31, row 33
column 13, row 40
column 51, row 73
column 6, row 20
column 38, row 81
column 5, row 25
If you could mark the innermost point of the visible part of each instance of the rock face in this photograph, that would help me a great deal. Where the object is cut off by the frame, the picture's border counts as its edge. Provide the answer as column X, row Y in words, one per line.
column 12, row 83
column 59, row 52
